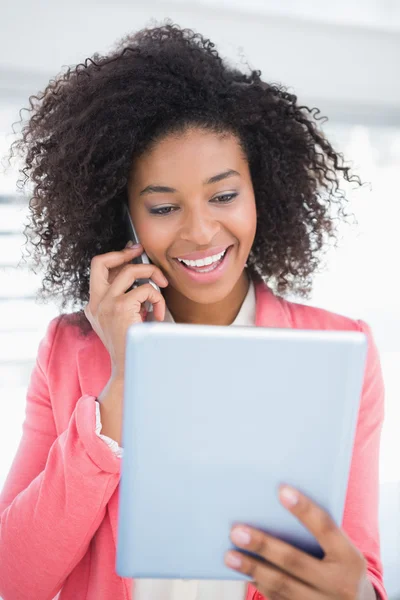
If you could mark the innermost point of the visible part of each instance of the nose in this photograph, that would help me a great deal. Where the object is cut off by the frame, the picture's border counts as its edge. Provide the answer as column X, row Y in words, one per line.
column 200, row 227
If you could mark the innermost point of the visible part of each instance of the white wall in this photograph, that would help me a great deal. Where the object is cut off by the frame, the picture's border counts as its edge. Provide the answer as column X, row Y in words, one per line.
column 333, row 64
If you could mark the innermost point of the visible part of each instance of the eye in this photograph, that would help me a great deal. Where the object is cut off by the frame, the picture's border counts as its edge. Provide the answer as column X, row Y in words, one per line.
column 224, row 198
column 163, row 210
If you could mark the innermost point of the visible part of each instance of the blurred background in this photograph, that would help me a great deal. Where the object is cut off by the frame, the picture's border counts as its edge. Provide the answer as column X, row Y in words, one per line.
column 342, row 57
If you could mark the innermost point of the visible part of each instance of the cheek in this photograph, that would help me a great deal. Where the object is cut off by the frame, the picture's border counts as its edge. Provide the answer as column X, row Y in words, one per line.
column 155, row 240
column 244, row 223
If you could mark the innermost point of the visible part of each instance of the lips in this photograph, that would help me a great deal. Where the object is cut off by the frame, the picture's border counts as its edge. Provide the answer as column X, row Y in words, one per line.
column 204, row 254
column 205, row 264
column 206, row 273
column 209, row 266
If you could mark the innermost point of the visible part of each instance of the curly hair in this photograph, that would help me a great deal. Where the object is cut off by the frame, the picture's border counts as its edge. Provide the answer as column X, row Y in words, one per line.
column 91, row 121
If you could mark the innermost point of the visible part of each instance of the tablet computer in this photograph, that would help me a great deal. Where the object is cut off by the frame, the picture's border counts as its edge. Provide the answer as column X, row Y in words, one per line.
column 214, row 420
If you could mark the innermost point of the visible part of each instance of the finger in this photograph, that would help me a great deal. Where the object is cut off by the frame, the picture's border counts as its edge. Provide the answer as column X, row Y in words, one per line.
column 130, row 273
column 329, row 536
column 146, row 292
column 283, row 555
column 271, row 582
column 102, row 264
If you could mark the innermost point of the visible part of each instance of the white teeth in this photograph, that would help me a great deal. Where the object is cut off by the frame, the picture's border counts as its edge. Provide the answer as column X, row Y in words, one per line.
column 203, row 262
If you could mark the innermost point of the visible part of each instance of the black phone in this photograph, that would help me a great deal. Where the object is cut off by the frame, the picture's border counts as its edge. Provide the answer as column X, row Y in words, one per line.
column 143, row 259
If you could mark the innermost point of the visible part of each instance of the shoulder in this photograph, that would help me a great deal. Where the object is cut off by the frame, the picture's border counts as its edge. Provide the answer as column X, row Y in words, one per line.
column 65, row 337
column 303, row 316
column 281, row 312
column 277, row 311
column 313, row 317
column 68, row 326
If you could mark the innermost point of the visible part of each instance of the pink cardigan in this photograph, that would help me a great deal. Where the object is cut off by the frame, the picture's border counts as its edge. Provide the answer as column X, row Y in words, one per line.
column 59, row 504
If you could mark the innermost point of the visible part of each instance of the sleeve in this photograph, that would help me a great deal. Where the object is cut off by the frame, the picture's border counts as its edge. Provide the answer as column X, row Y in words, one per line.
column 360, row 519
column 56, row 492
column 361, row 512
column 112, row 444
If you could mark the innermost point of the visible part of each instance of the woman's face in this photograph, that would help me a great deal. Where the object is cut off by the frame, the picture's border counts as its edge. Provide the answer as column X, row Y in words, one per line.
column 191, row 198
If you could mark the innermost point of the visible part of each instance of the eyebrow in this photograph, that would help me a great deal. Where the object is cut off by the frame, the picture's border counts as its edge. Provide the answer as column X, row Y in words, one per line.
column 162, row 189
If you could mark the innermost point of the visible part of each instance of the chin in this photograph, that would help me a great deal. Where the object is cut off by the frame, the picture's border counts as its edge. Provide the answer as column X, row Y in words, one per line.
column 211, row 294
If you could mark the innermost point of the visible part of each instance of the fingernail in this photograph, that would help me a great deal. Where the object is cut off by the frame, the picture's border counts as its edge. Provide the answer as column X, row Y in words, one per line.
column 233, row 560
column 241, row 536
column 289, row 496
column 129, row 244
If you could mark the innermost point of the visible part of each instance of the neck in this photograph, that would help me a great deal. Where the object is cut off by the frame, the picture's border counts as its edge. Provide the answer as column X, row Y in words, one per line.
column 223, row 312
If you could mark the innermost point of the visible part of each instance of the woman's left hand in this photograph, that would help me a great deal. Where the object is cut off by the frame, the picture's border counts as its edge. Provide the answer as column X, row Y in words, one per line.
column 294, row 575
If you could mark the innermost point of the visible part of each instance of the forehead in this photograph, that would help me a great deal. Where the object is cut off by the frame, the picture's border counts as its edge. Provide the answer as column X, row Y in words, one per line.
column 193, row 155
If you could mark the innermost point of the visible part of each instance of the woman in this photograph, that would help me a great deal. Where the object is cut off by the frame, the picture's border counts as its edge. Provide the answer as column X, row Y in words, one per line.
column 231, row 185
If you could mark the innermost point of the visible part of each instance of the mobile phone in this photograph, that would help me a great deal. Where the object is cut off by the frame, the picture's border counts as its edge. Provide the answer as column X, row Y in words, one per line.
column 143, row 259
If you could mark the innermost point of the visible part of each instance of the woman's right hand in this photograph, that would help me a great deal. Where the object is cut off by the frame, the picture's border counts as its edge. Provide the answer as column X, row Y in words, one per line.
column 110, row 310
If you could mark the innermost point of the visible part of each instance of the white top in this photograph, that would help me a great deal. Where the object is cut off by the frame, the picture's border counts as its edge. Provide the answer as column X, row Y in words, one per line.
column 171, row 589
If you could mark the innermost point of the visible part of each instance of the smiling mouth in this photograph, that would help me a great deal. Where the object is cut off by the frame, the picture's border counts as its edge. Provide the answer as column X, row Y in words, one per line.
column 205, row 265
